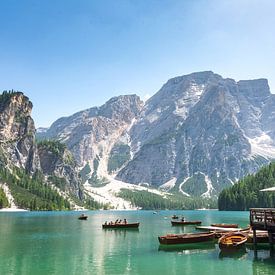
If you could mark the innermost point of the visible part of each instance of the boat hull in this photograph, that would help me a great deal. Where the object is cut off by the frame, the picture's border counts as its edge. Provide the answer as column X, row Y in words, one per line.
column 83, row 218
column 120, row 225
column 225, row 225
column 174, row 223
column 186, row 238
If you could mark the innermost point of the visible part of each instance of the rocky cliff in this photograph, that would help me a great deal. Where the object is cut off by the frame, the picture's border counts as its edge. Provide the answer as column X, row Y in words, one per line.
column 20, row 156
column 58, row 164
column 17, row 132
column 92, row 134
column 202, row 132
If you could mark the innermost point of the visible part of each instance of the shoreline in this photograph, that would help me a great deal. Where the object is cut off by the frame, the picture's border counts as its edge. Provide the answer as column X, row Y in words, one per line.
column 13, row 210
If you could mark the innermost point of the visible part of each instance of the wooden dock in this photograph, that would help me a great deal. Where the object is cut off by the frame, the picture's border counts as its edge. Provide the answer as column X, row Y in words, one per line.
column 263, row 219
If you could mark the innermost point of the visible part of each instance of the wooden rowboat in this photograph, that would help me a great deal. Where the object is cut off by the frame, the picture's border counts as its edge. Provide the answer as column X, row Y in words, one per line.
column 225, row 225
column 233, row 240
column 220, row 229
column 185, row 222
column 82, row 217
column 186, row 238
column 121, row 225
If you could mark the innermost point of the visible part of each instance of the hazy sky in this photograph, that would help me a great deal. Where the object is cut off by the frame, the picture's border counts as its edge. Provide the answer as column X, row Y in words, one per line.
column 71, row 55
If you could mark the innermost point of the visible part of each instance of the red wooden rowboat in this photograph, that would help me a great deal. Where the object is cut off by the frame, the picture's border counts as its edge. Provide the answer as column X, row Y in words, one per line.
column 225, row 225
column 186, row 238
column 185, row 222
column 121, row 225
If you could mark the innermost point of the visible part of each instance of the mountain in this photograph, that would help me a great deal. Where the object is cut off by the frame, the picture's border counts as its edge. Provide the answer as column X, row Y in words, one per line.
column 201, row 132
column 17, row 132
column 198, row 134
column 33, row 176
column 92, row 134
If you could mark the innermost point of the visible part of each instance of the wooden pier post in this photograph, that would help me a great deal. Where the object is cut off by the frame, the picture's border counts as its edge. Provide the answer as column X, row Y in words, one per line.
column 254, row 238
column 263, row 219
column 270, row 238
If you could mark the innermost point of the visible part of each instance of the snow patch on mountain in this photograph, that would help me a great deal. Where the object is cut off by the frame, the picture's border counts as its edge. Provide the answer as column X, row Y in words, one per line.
column 168, row 185
column 180, row 187
column 263, row 146
column 108, row 194
column 209, row 185
column 190, row 98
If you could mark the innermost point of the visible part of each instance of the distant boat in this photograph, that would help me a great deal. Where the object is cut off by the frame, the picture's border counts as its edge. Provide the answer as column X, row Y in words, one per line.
column 186, row 238
column 232, row 240
column 83, row 217
column 174, row 217
column 155, row 212
column 225, row 225
column 121, row 225
column 185, row 222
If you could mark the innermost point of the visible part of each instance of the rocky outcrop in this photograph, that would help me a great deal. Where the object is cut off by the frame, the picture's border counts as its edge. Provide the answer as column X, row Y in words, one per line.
column 17, row 132
column 58, row 165
column 18, row 146
column 91, row 134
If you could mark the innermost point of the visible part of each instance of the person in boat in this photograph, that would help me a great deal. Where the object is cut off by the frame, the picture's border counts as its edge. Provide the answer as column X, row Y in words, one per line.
column 106, row 222
column 120, row 221
column 116, row 221
column 125, row 221
column 183, row 219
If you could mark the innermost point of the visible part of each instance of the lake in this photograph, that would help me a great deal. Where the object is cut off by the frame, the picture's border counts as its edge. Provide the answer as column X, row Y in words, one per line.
column 59, row 243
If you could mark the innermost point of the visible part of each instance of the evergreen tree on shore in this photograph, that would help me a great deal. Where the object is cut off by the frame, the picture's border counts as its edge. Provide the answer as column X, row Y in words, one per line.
column 246, row 193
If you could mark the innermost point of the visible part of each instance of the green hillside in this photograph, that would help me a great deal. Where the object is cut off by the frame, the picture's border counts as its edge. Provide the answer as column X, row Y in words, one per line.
column 246, row 193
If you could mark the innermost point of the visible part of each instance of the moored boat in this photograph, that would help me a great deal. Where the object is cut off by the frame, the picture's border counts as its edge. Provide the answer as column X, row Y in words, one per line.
column 174, row 217
column 121, row 225
column 225, row 225
column 220, row 229
column 185, row 222
column 186, row 238
column 232, row 240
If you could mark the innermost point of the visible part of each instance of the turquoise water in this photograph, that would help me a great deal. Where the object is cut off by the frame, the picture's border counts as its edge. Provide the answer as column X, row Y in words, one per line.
column 59, row 243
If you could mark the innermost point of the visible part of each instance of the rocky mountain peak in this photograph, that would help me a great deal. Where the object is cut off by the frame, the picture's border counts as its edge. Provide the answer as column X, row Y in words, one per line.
column 17, row 131
column 204, row 130
column 124, row 107
column 254, row 88
column 15, row 111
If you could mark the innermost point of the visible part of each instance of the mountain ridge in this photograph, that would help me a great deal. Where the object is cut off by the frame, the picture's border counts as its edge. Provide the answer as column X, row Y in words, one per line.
column 198, row 134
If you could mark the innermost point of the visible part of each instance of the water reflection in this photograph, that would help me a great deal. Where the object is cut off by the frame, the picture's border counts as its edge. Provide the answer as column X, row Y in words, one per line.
column 233, row 254
column 189, row 248
column 264, row 262
column 58, row 243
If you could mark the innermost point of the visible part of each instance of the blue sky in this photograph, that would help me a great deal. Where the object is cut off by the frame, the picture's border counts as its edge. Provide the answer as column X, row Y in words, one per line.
column 71, row 55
